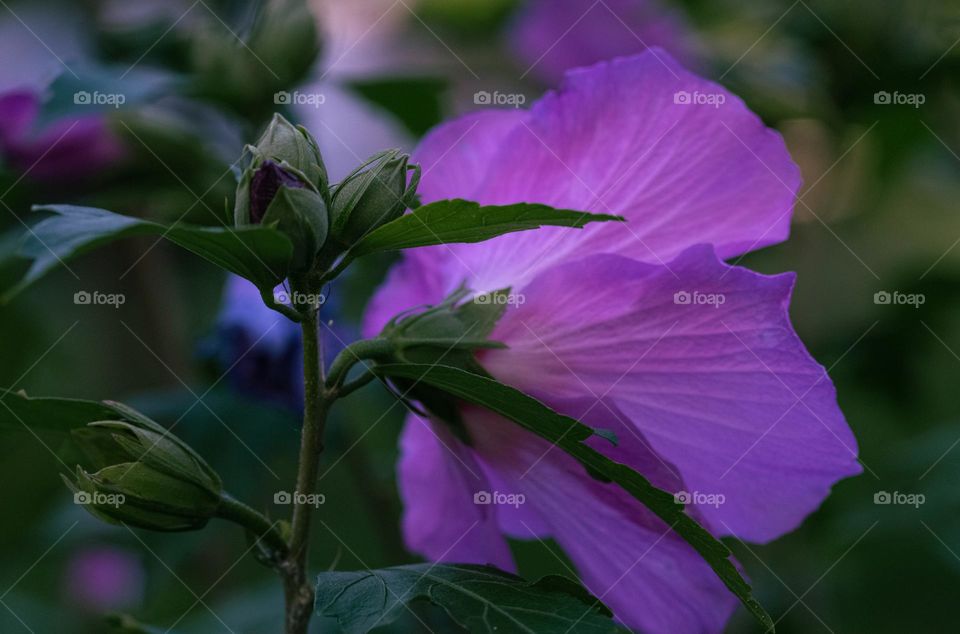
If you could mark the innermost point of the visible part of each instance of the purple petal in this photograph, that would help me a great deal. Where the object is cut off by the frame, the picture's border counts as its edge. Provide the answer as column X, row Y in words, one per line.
column 415, row 281
column 439, row 477
column 613, row 140
column 553, row 36
column 18, row 109
column 703, row 359
column 627, row 557
column 456, row 155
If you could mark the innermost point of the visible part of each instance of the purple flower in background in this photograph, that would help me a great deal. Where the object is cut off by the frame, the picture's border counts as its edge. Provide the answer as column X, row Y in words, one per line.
column 261, row 351
column 104, row 578
column 640, row 328
column 68, row 149
column 552, row 36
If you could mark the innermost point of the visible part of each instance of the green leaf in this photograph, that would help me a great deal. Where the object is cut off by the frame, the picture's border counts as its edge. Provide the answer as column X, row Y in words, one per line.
column 479, row 598
column 259, row 254
column 447, row 221
column 569, row 435
column 17, row 411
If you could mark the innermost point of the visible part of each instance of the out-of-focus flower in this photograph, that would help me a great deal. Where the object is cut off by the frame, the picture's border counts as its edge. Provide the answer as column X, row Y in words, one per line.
column 68, row 149
column 552, row 36
column 260, row 350
column 104, row 578
column 640, row 328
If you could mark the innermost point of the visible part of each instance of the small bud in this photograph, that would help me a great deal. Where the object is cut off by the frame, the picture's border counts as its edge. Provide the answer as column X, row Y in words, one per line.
column 145, row 477
column 285, row 185
column 373, row 195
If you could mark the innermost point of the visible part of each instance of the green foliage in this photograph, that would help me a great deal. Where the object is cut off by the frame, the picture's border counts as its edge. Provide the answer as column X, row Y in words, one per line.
column 457, row 220
column 482, row 599
column 259, row 254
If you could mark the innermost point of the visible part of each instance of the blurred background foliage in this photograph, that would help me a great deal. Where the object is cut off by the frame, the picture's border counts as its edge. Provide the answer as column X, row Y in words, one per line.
column 878, row 212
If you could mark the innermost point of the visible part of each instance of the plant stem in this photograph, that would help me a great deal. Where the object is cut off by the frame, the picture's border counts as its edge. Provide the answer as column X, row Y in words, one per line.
column 317, row 401
column 236, row 511
column 353, row 354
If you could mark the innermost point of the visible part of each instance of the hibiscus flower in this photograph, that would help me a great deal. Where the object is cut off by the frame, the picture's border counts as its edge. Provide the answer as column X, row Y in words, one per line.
column 638, row 327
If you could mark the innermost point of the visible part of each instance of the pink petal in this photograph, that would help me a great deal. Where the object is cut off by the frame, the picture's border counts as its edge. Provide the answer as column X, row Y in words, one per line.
column 627, row 557
column 724, row 391
column 438, row 477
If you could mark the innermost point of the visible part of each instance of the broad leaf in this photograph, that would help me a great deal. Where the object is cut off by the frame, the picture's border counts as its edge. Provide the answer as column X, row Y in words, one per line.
column 448, row 221
column 569, row 435
column 260, row 254
column 479, row 598
column 20, row 412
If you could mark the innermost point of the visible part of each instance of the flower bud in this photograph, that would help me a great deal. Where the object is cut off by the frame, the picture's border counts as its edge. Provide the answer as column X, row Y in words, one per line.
column 373, row 195
column 145, row 477
column 284, row 142
column 285, row 186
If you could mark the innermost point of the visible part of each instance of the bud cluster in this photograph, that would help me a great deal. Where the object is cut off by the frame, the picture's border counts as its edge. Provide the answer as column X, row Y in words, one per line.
column 285, row 186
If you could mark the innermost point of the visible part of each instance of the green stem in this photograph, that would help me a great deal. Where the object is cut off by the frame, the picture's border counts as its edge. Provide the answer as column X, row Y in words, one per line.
column 317, row 401
column 237, row 512
column 353, row 354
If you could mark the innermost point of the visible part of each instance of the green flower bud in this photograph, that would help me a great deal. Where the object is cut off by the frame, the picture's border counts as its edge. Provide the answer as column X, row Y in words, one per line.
column 372, row 195
column 285, row 186
column 144, row 477
column 284, row 142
